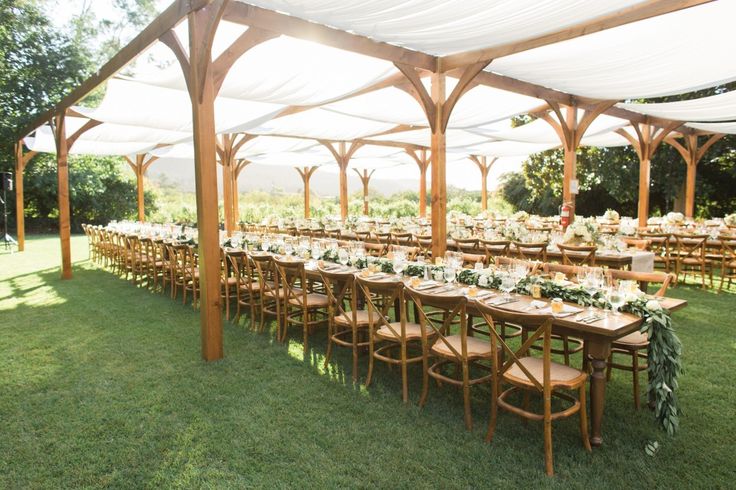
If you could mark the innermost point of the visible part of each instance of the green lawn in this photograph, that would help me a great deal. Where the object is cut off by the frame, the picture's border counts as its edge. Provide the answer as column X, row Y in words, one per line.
column 102, row 385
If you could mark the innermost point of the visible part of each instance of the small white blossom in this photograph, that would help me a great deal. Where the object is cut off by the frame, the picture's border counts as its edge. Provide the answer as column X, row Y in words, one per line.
column 653, row 305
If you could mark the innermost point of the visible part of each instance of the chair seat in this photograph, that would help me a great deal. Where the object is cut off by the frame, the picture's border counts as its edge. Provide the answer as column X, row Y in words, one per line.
column 476, row 347
column 314, row 300
column 691, row 261
column 231, row 281
column 413, row 331
column 560, row 375
column 361, row 318
column 634, row 339
column 254, row 286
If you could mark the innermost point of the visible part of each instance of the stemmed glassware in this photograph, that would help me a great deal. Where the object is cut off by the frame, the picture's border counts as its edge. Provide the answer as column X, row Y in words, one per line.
column 399, row 262
column 449, row 273
column 617, row 298
column 592, row 282
column 508, row 284
column 343, row 256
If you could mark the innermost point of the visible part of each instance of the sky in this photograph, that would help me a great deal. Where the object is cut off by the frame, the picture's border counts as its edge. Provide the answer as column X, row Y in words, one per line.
column 459, row 174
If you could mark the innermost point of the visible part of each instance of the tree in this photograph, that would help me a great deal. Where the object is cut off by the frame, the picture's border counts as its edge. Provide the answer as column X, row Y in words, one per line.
column 98, row 192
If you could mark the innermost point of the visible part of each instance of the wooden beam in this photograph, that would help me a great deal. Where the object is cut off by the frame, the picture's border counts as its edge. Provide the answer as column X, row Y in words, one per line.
column 306, row 175
column 79, row 132
column 422, row 159
column 622, row 16
column 250, row 38
column 365, row 178
column 166, row 21
column 59, row 126
column 692, row 153
column 484, row 164
column 139, row 171
column 253, row 16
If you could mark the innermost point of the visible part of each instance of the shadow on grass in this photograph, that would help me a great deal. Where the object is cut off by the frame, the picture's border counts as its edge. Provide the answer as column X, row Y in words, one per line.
column 105, row 385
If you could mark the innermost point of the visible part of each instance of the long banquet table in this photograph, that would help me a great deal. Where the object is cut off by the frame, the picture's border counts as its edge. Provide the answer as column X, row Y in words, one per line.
column 598, row 336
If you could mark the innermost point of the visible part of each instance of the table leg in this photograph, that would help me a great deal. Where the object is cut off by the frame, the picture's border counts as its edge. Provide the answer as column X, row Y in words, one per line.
column 598, row 353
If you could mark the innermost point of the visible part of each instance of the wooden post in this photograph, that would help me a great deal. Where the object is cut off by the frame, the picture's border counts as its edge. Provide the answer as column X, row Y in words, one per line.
column 306, row 174
column 438, row 107
column 342, row 155
column 422, row 160
column 647, row 140
column 365, row 178
column 63, row 185
column 692, row 154
column 140, row 167
column 439, row 161
column 571, row 130
column 21, row 161
column 484, row 165
column 239, row 166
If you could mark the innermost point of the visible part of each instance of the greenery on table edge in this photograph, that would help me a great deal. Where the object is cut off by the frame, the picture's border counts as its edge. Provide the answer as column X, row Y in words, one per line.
column 665, row 349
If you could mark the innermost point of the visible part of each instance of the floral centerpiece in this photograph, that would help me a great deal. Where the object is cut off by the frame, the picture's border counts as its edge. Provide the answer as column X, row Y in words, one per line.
column 674, row 219
column 627, row 227
column 514, row 231
column 730, row 220
column 521, row 216
column 486, row 215
column 611, row 215
column 582, row 231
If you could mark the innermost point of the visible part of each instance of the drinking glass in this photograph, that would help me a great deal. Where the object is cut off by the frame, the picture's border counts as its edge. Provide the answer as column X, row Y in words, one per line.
column 591, row 284
column 617, row 297
column 449, row 274
column 343, row 256
column 399, row 262
column 508, row 283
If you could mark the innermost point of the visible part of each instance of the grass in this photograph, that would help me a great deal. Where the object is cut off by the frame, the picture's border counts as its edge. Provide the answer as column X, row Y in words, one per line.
column 102, row 385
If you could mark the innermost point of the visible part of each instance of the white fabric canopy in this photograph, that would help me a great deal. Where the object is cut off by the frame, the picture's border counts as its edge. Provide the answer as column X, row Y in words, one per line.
column 725, row 127
column 442, row 27
column 664, row 55
column 721, row 107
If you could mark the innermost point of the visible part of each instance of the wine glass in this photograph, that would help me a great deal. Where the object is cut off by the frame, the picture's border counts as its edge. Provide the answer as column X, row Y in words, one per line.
column 617, row 297
column 508, row 283
column 399, row 262
column 288, row 247
column 343, row 256
column 316, row 250
column 449, row 273
column 591, row 284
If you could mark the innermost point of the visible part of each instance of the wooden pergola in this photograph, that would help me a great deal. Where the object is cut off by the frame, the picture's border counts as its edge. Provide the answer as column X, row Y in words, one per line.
column 204, row 77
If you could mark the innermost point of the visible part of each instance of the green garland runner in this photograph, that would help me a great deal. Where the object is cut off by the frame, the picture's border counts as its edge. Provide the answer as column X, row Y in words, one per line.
column 665, row 348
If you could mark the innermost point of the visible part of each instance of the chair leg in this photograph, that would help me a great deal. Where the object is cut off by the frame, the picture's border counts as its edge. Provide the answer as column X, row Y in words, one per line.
column 548, row 458
column 404, row 375
column 635, row 372
column 328, row 355
column 355, row 354
column 305, row 322
column 466, row 397
column 369, row 376
column 425, row 377
column 566, row 349
column 584, row 419
column 494, row 410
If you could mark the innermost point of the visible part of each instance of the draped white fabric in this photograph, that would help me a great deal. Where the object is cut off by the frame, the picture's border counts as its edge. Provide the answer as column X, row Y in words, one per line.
column 725, row 127
column 669, row 54
column 442, row 27
column 721, row 107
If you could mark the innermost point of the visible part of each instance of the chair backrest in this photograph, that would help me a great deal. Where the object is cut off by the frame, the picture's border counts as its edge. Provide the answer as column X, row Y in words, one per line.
column 339, row 286
column 532, row 265
column 495, row 248
column 400, row 238
column 375, row 249
column 728, row 247
column 453, row 309
column 467, row 245
column 659, row 243
column 389, row 291
column 542, row 328
column 643, row 278
column 577, row 255
column 690, row 246
column 469, row 260
column 293, row 278
column 265, row 270
column 424, row 242
column 411, row 252
column 531, row 251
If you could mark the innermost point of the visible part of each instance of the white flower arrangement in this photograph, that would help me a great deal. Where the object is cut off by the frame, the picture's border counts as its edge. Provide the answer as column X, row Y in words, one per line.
column 514, row 231
column 486, row 215
column 519, row 216
column 611, row 215
column 627, row 227
column 584, row 230
column 674, row 218
column 730, row 220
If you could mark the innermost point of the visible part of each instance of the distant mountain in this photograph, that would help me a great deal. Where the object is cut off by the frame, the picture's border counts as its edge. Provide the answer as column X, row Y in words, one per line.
column 180, row 173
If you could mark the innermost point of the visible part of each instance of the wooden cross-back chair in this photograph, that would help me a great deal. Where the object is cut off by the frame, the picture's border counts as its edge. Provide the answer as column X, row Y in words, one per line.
column 411, row 252
column 346, row 326
column 728, row 259
column 191, row 274
column 302, row 307
column 248, row 291
column 400, row 238
column 530, row 251
column 578, row 254
column 495, row 248
column 375, row 249
column 469, row 260
column 395, row 336
column 424, row 242
column 690, row 257
column 271, row 291
column 466, row 245
column 228, row 280
column 362, row 235
column 458, row 349
column 529, row 375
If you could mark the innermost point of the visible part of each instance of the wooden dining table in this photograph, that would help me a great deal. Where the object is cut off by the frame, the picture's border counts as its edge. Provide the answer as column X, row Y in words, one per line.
column 598, row 336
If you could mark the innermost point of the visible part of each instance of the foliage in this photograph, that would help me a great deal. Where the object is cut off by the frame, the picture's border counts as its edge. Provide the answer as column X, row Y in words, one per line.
column 38, row 65
column 98, row 192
